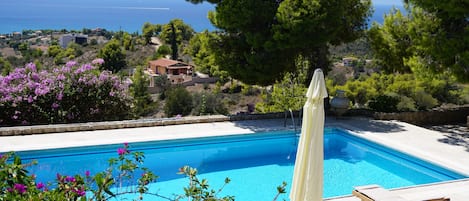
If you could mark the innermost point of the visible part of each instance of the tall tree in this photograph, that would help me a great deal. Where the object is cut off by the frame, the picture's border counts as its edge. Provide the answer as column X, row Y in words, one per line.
column 448, row 45
column 113, row 55
column 148, row 31
column 308, row 27
column 204, row 59
column 175, row 33
column 391, row 43
column 432, row 39
column 143, row 103
column 260, row 40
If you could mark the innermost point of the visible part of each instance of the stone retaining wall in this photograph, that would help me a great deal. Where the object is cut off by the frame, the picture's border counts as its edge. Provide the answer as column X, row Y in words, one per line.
column 436, row 117
column 57, row 128
column 91, row 126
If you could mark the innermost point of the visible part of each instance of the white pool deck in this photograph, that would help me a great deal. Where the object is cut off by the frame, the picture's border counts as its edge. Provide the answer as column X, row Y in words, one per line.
column 426, row 144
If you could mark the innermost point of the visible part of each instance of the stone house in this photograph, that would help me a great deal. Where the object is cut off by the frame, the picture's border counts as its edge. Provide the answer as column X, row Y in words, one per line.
column 177, row 72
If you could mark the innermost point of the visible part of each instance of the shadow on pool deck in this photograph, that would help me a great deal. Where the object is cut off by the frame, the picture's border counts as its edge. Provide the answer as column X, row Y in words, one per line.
column 457, row 135
column 367, row 125
column 267, row 125
column 354, row 124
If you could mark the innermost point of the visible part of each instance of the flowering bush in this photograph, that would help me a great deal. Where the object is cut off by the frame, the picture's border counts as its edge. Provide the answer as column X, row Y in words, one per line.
column 16, row 184
column 71, row 93
column 119, row 179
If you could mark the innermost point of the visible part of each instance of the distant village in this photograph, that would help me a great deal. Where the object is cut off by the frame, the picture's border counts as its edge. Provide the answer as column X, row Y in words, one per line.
column 177, row 72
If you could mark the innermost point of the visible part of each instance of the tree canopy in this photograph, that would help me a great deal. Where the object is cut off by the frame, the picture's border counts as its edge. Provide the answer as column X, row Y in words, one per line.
column 202, row 55
column 432, row 39
column 113, row 55
column 174, row 33
column 149, row 30
column 259, row 40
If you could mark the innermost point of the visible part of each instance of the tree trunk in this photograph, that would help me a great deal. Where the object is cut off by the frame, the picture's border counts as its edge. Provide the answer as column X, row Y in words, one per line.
column 318, row 58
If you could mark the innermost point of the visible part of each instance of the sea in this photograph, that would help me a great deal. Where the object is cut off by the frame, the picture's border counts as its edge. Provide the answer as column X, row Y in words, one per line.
column 116, row 15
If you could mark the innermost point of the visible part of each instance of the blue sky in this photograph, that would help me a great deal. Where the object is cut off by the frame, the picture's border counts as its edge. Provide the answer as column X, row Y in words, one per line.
column 388, row 2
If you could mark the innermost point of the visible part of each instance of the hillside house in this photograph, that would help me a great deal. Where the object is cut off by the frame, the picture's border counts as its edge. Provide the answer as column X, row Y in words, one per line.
column 76, row 38
column 177, row 72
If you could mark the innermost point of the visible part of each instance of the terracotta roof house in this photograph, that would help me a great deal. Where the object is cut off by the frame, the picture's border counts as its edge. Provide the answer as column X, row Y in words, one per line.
column 178, row 72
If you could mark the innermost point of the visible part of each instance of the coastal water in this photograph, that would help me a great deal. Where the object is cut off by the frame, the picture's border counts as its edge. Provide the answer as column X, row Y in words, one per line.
column 127, row 15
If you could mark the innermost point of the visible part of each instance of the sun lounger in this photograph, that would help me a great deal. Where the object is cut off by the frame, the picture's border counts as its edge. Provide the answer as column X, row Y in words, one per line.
column 377, row 193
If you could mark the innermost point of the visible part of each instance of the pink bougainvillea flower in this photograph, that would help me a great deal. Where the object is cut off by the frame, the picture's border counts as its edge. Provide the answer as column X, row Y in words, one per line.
column 61, row 77
column 30, row 99
column 70, row 179
column 79, row 192
column 126, row 144
column 87, row 173
column 121, row 151
column 60, row 96
column 20, row 188
column 71, row 63
column 40, row 185
column 31, row 67
column 98, row 61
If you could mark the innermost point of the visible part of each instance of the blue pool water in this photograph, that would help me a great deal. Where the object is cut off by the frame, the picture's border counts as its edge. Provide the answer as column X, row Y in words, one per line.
column 256, row 164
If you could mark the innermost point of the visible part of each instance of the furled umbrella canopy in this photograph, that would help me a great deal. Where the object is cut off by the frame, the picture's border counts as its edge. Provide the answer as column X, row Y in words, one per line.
column 307, row 184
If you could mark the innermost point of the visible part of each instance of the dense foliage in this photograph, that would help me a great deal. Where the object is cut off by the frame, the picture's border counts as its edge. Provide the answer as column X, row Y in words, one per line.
column 178, row 102
column 113, row 55
column 143, row 103
column 208, row 103
column 203, row 56
column 287, row 94
column 431, row 39
column 175, row 33
column 400, row 92
column 260, row 40
column 71, row 93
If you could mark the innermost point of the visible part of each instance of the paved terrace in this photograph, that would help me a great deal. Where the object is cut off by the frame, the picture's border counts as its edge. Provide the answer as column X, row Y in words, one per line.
column 434, row 146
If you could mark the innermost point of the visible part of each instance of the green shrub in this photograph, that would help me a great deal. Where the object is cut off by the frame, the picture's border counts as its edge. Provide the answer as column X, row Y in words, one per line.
column 418, row 93
column 249, row 90
column 143, row 103
column 444, row 89
column 178, row 102
column 208, row 103
column 360, row 92
column 465, row 96
column 289, row 93
column 384, row 103
column 406, row 104
column 424, row 101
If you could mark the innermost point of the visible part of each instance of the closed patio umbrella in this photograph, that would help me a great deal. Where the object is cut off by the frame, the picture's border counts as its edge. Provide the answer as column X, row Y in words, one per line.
column 307, row 184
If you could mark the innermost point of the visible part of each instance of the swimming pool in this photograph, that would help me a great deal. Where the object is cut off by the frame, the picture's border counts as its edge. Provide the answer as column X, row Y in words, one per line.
column 256, row 164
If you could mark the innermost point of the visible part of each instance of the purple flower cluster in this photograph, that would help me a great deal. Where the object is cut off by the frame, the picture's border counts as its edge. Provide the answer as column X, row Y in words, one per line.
column 18, row 188
column 62, row 95
column 122, row 151
column 40, row 185
column 97, row 61
column 70, row 184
